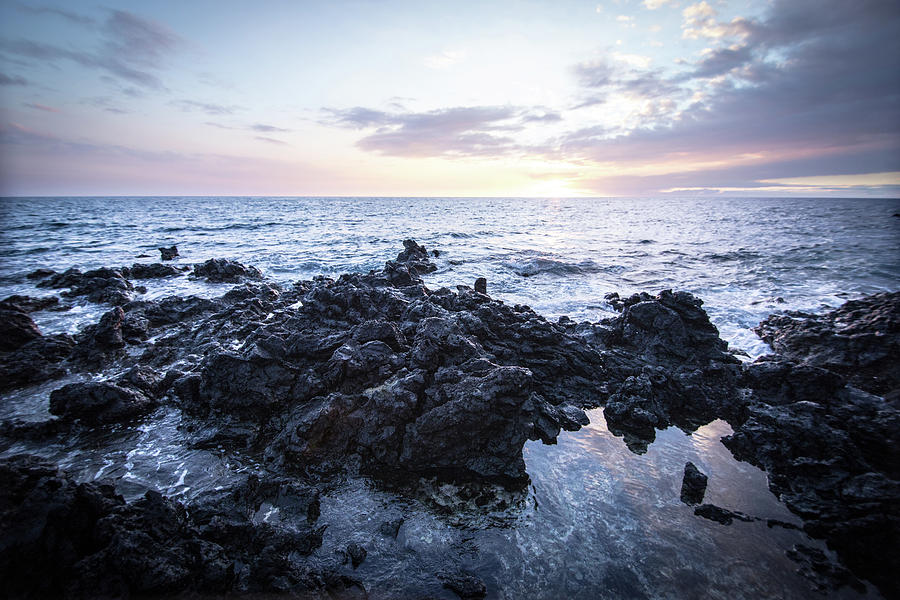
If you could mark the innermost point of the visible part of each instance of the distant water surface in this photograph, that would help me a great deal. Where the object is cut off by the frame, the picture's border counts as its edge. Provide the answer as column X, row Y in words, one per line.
column 598, row 520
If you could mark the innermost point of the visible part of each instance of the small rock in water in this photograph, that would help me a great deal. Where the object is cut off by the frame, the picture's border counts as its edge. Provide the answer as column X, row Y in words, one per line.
column 693, row 485
column 168, row 253
column 391, row 528
column 481, row 285
column 357, row 554
column 720, row 515
column 40, row 274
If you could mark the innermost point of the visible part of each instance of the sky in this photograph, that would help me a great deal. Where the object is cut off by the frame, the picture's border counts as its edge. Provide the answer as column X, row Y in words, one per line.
column 505, row 98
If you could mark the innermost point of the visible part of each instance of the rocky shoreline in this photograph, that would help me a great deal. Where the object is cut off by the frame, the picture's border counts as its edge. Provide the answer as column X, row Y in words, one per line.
column 375, row 374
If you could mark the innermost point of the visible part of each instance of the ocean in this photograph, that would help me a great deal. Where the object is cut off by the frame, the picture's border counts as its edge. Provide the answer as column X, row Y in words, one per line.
column 598, row 520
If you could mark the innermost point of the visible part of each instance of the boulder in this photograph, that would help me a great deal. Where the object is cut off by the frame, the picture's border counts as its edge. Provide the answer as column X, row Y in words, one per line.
column 16, row 328
column 151, row 271
column 220, row 270
column 693, row 485
column 99, row 403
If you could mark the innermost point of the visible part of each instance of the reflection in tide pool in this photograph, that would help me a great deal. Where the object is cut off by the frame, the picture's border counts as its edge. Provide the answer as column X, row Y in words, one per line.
column 597, row 522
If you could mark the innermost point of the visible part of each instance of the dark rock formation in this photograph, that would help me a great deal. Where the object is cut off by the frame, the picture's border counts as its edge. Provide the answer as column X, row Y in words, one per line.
column 860, row 341
column 481, row 285
column 693, row 485
column 152, row 271
column 721, row 515
column 824, row 574
column 62, row 539
column 393, row 378
column 219, row 270
column 40, row 274
column 34, row 362
column 99, row 403
column 99, row 285
column 416, row 256
column 377, row 374
column 100, row 343
column 831, row 451
column 665, row 365
column 168, row 253
column 29, row 304
column 16, row 328
column 356, row 554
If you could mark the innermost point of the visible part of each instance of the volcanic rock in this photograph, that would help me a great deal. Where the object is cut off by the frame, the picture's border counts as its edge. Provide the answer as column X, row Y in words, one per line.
column 99, row 285
column 860, row 341
column 693, row 485
column 63, row 539
column 35, row 361
column 481, row 285
column 151, row 271
column 16, row 328
column 220, row 270
column 168, row 253
column 99, row 403
column 29, row 304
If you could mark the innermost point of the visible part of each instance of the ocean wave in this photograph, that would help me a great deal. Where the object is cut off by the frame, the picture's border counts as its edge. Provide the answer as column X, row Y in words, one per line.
column 734, row 255
column 229, row 227
column 529, row 267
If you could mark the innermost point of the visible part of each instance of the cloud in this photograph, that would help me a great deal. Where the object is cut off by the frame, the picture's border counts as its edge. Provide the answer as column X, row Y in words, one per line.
column 58, row 12
column 12, row 80
column 106, row 103
column 209, row 108
column 138, row 41
column 34, row 162
column 445, row 59
column 262, row 128
column 269, row 140
column 131, row 49
column 41, row 107
column 719, row 61
column 700, row 22
column 449, row 132
column 654, row 4
column 808, row 89
column 357, row 117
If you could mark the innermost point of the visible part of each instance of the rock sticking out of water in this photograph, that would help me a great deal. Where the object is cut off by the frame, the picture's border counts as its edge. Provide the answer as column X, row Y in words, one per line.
column 481, row 285
column 693, row 485
column 859, row 341
column 168, row 253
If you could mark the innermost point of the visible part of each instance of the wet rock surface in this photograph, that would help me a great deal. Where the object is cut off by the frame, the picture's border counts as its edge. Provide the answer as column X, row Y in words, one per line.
column 376, row 374
column 16, row 328
column 693, row 485
column 169, row 253
column 82, row 540
column 98, row 285
column 219, row 270
column 860, row 341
